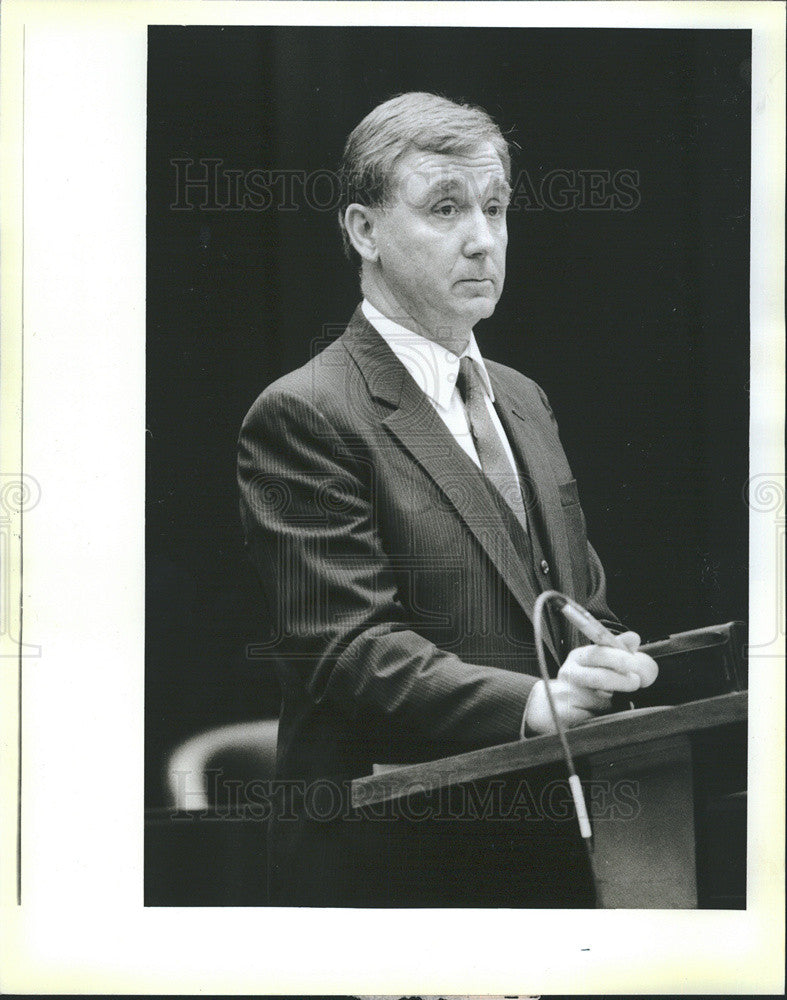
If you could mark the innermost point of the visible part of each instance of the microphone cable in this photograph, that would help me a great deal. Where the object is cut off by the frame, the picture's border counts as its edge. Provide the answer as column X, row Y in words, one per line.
column 575, row 785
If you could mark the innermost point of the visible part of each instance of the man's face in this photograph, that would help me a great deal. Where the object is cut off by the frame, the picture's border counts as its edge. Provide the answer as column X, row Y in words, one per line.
column 442, row 240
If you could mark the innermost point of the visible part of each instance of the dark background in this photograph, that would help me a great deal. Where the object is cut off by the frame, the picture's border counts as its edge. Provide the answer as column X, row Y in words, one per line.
column 635, row 323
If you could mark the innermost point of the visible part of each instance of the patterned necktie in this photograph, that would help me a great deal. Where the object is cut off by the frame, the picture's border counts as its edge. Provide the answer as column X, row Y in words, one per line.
column 489, row 447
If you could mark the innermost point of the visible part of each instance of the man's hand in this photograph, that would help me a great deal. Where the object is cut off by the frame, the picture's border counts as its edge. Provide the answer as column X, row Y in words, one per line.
column 584, row 684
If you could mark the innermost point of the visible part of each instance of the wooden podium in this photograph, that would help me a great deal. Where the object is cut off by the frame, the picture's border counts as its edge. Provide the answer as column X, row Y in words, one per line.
column 677, row 837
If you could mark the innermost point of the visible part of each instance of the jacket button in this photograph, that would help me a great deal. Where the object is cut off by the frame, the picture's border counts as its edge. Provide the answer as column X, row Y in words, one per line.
column 544, row 566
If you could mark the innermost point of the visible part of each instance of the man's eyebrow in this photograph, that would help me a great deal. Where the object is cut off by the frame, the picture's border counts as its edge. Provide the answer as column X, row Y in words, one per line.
column 444, row 185
column 502, row 189
column 450, row 185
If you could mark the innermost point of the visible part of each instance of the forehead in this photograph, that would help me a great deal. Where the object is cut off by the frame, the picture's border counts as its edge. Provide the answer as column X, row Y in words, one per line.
column 420, row 175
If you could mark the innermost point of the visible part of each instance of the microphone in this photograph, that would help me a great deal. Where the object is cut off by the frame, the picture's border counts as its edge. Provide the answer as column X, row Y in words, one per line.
column 592, row 629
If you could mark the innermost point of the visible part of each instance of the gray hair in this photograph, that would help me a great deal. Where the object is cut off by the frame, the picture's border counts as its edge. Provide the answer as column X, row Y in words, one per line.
column 416, row 120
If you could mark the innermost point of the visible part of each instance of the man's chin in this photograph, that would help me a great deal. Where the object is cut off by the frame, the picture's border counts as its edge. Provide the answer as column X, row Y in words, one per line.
column 478, row 308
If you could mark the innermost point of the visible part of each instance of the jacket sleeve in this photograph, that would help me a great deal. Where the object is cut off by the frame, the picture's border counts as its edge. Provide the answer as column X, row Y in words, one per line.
column 310, row 528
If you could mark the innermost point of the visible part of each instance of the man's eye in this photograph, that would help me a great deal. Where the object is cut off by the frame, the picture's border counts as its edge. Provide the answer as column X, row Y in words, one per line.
column 495, row 210
column 447, row 210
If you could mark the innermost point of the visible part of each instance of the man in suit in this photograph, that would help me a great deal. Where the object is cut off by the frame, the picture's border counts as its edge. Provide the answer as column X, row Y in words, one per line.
column 404, row 501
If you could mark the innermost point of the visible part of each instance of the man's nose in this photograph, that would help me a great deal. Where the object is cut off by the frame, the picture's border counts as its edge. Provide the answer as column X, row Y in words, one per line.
column 478, row 236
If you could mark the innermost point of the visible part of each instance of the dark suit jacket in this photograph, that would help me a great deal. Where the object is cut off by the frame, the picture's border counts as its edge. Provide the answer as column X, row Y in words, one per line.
column 400, row 587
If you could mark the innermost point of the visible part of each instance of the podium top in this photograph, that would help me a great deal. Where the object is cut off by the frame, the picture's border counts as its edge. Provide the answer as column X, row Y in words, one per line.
column 604, row 733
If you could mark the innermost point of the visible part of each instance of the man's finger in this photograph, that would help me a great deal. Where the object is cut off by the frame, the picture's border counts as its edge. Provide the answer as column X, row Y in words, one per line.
column 630, row 640
column 589, row 698
column 617, row 660
column 599, row 678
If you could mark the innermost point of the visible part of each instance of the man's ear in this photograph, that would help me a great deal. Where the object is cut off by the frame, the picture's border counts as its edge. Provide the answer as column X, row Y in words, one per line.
column 359, row 221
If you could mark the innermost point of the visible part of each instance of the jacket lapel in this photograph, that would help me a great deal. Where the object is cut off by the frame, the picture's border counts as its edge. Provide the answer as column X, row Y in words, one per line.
column 418, row 428
column 536, row 465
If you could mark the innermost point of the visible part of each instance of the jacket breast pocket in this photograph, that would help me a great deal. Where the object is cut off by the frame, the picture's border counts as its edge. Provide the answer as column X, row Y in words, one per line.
column 576, row 530
column 569, row 494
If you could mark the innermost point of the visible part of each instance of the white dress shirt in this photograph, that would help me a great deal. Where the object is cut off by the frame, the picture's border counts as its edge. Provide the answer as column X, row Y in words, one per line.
column 434, row 370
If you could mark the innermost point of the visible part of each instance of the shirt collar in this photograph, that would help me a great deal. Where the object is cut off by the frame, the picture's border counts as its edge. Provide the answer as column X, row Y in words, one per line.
column 433, row 368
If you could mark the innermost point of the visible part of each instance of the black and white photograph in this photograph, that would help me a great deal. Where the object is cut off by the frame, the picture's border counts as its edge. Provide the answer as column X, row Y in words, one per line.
column 405, row 489
column 520, row 273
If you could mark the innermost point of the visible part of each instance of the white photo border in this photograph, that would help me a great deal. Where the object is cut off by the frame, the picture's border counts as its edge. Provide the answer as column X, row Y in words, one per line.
column 73, row 279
